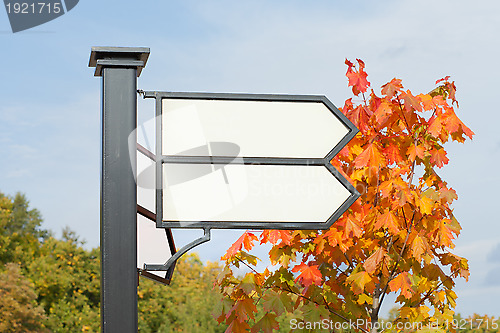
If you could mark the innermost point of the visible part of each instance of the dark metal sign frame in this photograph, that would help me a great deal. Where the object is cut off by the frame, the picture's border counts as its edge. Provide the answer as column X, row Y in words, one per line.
column 168, row 233
column 282, row 225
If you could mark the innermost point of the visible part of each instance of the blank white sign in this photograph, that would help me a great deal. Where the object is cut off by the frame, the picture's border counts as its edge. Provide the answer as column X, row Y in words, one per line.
column 259, row 128
column 235, row 192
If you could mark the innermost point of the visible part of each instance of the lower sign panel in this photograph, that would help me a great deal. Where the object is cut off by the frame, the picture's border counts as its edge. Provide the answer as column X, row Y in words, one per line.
column 211, row 194
column 152, row 245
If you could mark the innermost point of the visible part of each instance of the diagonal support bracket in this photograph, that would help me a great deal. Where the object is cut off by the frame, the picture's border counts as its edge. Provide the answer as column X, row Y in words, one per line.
column 178, row 254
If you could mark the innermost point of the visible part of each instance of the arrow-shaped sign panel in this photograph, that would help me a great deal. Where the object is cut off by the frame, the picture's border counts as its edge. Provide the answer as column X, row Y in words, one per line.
column 249, row 161
column 260, row 128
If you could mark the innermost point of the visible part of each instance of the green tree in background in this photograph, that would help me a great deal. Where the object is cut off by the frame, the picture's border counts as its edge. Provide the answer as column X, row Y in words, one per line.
column 184, row 306
column 61, row 279
column 66, row 277
column 20, row 230
column 19, row 311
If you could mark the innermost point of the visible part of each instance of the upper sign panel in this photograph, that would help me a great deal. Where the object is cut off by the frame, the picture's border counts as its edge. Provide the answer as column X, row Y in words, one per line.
column 259, row 128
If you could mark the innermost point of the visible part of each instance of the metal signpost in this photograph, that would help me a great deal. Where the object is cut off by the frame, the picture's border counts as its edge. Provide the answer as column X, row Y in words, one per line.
column 119, row 68
column 222, row 161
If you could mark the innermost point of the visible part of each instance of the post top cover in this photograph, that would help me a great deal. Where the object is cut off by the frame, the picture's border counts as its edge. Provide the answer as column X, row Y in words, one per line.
column 113, row 56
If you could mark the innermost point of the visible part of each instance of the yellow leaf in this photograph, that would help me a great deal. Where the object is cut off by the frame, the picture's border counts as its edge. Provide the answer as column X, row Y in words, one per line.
column 426, row 205
column 358, row 281
column 364, row 298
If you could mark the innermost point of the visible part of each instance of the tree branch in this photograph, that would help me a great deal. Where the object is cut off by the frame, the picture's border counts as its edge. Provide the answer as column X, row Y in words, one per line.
column 403, row 114
column 400, row 256
column 244, row 263
column 317, row 303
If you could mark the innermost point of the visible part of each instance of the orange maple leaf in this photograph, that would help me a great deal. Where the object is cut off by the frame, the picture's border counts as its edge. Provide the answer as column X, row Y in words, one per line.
column 418, row 247
column 370, row 157
column 386, row 188
column 246, row 240
column 438, row 156
column 308, row 274
column 393, row 154
column 360, row 116
column 435, row 126
column 411, row 101
column 454, row 125
column 390, row 89
column 274, row 236
column 448, row 194
column 451, row 121
column 402, row 281
column 414, row 151
column 372, row 262
column 427, row 101
column 467, row 131
column 389, row 221
column 425, row 204
column 351, row 228
column 443, row 233
column 383, row 113
column 334, row 237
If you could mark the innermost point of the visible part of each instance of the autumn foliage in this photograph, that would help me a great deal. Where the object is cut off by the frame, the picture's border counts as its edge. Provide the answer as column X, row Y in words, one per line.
column 396, row 238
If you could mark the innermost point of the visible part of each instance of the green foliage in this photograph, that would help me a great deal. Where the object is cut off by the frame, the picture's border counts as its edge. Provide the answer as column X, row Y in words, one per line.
column 19, row 311
column 23, row 220
column 184, row 306
column 66, row 277
column 53, row 285
column 20, row 230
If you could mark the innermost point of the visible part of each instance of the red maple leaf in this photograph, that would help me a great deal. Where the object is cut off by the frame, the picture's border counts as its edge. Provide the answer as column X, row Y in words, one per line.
column 357, row 78
column 446, row 78
column 360, row 117
column 274, row 236
column 308, row 274
column 393, row 154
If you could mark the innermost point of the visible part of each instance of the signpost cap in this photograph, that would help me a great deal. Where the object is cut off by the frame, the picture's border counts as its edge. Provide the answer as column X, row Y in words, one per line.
column 112, row 56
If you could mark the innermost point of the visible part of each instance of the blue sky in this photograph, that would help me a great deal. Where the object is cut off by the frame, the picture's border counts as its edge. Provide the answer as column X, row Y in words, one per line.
column 50, row 111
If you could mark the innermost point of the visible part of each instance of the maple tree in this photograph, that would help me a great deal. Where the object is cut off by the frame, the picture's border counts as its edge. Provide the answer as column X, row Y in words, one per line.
column 396, row 238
